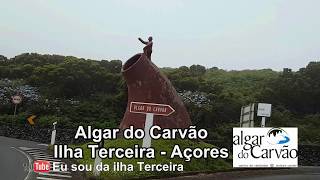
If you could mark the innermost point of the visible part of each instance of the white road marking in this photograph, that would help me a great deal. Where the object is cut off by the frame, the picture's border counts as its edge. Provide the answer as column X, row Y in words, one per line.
column 30, row 161
column 45, row 178
column 60, row 162
column 42, row 156
column 57, row 170
column 43, row 145
column 55, row 175
column 34, row 151
column 63, row 172
column 25, row 148
column 29, row 148
column 38, row 154
column 47, row 159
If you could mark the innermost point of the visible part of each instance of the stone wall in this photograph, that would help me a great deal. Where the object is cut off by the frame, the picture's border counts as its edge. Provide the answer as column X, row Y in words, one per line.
column 309, row 155
column 41, row 135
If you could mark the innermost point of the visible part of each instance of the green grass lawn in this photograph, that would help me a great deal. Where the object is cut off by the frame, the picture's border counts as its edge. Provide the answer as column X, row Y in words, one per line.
column 195, row 165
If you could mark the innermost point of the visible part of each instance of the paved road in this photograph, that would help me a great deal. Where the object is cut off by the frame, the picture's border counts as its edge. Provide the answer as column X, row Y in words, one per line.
column 11, row 163
column 14, row 161
column 287, row 177
column 17, row 156
column 304, row 173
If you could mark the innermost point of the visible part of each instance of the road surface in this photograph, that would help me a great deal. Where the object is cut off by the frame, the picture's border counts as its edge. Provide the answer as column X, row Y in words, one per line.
column 304, row 173
column 16, row 159
column 17, row 155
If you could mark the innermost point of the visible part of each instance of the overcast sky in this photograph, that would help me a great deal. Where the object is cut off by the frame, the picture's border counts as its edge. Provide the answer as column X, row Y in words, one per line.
column 229, row 34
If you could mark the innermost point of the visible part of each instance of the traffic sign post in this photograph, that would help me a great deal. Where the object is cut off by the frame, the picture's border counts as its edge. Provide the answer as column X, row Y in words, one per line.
column 247, row 116
column 263, row 121
column 264, row 110
column 53, row 134
column 150, row 109
column 97, row 160
column 16, row 99
column 148, row 124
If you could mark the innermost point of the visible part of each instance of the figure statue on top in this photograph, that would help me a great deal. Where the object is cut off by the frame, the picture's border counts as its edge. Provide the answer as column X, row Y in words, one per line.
column 147, row 50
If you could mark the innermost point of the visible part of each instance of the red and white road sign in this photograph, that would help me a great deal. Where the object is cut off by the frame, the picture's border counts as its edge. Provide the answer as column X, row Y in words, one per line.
column 16, row 99
column 156, row 109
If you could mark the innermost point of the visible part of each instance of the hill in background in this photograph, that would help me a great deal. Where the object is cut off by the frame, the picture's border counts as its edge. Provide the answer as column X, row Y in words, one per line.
column 77, row 91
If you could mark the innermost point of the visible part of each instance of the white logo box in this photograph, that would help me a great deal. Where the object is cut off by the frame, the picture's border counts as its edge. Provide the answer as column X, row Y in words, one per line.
column 265, row 147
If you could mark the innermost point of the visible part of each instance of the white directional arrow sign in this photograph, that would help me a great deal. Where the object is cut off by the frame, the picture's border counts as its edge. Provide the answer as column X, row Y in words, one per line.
column 150, row 109
column 156, row 109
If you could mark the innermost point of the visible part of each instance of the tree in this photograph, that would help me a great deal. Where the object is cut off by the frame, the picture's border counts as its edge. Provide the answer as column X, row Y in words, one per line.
column 197, row 70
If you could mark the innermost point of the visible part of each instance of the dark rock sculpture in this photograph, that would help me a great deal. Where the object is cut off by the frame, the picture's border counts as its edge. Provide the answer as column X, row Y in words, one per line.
column 147, row 84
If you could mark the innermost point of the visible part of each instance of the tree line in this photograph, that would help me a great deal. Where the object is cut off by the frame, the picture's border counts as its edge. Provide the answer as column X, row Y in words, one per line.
column 77, row 91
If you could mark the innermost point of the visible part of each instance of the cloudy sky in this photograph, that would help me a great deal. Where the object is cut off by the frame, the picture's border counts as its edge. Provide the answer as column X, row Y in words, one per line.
column 229, row 34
